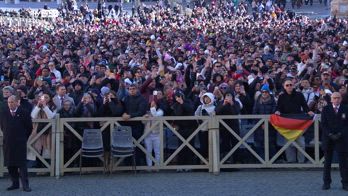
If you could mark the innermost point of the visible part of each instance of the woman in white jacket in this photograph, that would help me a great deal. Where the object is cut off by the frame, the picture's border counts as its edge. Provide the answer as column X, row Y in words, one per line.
column 152, row 140
column 45, row 109
column 207, row 108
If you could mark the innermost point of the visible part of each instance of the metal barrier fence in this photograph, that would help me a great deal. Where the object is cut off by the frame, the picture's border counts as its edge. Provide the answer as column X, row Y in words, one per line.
column 48, row 128
column 23, row 22
column 217, row 129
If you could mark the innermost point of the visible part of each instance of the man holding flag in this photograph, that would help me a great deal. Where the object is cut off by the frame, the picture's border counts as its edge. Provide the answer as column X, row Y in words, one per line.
column 292, row 104
column 335, row 137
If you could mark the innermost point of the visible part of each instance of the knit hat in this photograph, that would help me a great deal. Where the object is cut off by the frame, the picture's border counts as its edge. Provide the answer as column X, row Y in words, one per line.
column 265, row 87
column 179, row 93
column 104, row 90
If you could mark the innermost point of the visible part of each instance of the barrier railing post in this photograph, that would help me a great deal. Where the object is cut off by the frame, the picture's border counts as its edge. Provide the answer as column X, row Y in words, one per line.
column 57, row 143
column 53, row 146
column 214, row 144
column 266, row 130
column 60, row 144
column 1, row 155
column 316, row 141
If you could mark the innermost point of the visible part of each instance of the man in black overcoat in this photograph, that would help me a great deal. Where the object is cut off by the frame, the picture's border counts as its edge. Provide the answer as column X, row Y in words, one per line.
column 335, row 138
column 16, row 125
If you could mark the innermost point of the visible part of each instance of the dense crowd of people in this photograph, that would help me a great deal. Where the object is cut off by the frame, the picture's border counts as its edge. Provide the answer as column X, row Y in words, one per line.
column 157, row 62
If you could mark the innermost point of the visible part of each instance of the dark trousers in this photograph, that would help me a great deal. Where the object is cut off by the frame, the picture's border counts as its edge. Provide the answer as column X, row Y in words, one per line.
column 23, row 174
column 228, row 141
column 203, row 142
column 185, row 156
column 343, row 164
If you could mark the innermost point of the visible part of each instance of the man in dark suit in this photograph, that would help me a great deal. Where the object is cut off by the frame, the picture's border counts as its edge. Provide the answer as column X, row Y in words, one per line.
column 335, row 138
column 16, row 125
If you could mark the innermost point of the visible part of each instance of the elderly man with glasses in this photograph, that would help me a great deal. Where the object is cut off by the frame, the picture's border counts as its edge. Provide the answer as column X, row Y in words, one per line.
column 335, row 138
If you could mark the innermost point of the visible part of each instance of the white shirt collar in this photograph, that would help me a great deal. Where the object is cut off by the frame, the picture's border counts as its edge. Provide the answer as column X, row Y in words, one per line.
column 14, row 111
column 338, row 106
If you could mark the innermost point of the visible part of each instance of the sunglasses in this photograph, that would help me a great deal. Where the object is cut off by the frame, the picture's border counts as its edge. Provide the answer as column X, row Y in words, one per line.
column 265, row 92
column 287, row 85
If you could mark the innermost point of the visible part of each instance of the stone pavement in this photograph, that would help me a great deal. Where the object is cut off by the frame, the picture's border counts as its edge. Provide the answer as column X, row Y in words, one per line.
column 246, row 182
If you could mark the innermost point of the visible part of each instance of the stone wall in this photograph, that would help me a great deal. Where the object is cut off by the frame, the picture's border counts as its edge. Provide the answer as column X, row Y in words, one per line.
column 339, row 8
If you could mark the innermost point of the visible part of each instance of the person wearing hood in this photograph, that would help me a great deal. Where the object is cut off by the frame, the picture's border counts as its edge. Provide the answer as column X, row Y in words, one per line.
column 229, row 106
column 207, row 108
column 25, row 104
column 183, row 107
column 78, row 91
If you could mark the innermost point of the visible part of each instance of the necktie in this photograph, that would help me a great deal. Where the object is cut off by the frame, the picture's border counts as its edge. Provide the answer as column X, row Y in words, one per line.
column 61, row 101
column 13, row 113
column 336, row 109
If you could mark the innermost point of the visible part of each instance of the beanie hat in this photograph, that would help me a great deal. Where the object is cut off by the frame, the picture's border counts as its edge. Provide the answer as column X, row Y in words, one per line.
column 265, row 87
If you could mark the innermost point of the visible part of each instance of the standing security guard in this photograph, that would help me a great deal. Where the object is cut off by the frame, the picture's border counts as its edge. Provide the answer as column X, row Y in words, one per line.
column 16, row 125
column 335, row 137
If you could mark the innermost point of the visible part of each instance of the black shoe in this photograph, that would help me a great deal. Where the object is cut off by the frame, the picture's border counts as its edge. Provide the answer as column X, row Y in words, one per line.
column 26, row 189
column 12, row 187
column 325, row 187
column 345, row 187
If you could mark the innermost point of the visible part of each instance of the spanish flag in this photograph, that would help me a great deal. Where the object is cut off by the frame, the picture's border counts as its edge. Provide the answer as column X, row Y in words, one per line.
column 291, row 126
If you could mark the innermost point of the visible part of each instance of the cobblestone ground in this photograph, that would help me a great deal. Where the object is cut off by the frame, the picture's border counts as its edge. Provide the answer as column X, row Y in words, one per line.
column 247, row 182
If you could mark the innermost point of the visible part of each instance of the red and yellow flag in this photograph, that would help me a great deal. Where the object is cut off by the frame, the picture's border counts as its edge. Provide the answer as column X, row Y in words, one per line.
column 291, row 126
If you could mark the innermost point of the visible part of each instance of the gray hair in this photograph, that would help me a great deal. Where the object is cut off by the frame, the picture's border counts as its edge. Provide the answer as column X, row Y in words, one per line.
column 14, row 97
column 9, row 88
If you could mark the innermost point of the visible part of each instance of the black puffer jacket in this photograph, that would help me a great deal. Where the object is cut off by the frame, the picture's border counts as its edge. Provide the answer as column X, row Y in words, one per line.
column 185, row 109
column 229, row 110
column 135, row 106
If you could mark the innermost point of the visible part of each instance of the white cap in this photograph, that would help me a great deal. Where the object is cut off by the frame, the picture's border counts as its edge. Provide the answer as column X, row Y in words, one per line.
column 104, row 90
column 327, row 91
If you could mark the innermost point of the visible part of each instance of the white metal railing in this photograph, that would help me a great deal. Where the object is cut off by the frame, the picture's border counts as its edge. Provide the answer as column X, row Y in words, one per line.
column 60, row 126
column 49, row 129
column 23, row 22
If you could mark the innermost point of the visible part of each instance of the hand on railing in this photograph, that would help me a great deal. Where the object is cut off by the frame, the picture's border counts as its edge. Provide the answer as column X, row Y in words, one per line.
column 311, row 113
column 126, row 116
